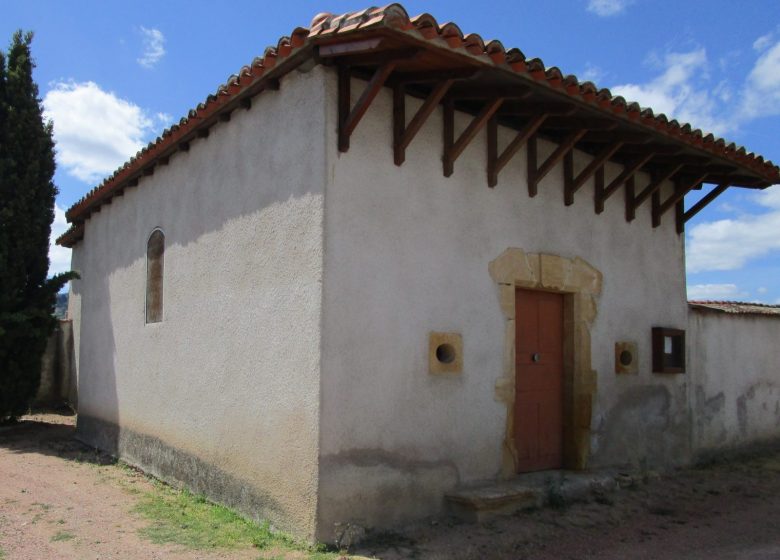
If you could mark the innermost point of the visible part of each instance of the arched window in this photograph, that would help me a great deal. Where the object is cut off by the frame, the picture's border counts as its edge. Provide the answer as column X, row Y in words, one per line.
column 155, row 249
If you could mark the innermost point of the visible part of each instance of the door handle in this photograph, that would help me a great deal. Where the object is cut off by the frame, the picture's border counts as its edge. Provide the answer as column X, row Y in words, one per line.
column 536, row 358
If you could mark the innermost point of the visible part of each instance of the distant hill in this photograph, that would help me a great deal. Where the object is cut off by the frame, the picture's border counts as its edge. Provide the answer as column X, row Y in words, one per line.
column 61, row 307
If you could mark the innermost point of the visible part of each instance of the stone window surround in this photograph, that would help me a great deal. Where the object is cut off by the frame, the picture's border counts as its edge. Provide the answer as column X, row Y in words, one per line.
column 581, row 285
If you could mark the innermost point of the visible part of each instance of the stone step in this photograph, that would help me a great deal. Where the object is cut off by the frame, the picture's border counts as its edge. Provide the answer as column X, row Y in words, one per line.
column 481, row 502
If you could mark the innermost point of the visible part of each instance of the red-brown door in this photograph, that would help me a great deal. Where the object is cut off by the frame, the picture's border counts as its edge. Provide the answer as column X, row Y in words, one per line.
column 538, row 380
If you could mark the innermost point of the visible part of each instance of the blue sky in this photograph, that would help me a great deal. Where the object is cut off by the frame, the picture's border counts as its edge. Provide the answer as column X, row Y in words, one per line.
column 114, row 74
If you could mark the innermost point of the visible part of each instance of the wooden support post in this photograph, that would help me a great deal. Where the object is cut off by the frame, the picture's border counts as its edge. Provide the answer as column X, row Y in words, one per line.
column 515, row 146
column 568, row 178
column 344, row 103
column 476, row 124
column 404, row 135
column 629, row 202
column 246, row 103
column 598, row 191
column 595, row 164
column 656, row 208
column 679, row 216
column 620, row 180
column 449, row 134
column 399, row 122
column 349, row 118
column 709, row 197
column 563, row 148
column 680, row 190
column 531, row 165
column 656, row 183
column 492, row 151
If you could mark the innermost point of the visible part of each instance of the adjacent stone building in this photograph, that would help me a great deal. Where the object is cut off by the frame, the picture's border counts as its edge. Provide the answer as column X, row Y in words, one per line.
column 387, row 261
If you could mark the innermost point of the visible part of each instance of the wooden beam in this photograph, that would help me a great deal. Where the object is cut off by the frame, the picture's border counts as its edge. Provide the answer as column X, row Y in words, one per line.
column 492, row 151
column 531, row 165
column 348, row 122
column 514, row 146
column 617, row 136
column 202, row 133
column 380, row 58
column 184, row 146
column 489, row 92
column 655, row 184
column 246, row 103
column 598, row 190
column 679, row 216
column 423, row 77
column 629, row 198
column 349, row 47
column 705, row 200
column 448, row 131
column 476, row 124
column 563, row 148
column 403, row 134
column 569, row 123
column 164, row 160
column 627, row 173
column 399, row 122
column 148, row 171
column 534, row 109
column 656, row 208
column 679, row 193
column 573, row 184
column 224, row 117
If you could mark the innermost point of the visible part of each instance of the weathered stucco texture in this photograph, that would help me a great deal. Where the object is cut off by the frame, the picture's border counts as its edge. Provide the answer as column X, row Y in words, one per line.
column 223, row 394
column 407, row 254
column 735, row 377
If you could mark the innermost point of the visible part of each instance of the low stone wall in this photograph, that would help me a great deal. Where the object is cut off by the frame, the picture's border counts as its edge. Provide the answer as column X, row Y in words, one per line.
column 734, row 370
column 58, row 372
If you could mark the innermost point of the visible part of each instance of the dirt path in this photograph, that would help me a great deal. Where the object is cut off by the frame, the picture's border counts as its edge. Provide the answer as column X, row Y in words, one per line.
column 721, row 512
column 58, row 499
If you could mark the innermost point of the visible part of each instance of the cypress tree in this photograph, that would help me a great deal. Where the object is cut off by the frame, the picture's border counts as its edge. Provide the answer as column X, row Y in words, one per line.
column 27, row 193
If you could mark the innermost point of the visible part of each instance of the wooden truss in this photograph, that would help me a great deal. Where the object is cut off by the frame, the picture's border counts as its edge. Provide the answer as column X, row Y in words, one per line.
column 532, row 116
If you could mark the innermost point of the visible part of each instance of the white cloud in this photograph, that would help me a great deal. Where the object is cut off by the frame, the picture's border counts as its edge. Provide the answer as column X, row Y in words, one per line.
column 762, row 290
column 718, row 292
column 59, row 257
column 154, row 47
column 761, row 93
column 681, row 91
column 605, row 8
column 729, row 244
column 95, row 130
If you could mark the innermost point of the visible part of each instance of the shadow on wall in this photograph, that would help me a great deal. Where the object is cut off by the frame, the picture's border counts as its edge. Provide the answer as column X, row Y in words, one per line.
column 59, row 383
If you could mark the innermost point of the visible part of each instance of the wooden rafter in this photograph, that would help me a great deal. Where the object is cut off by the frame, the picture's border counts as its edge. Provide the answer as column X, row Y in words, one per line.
column 453, row 148
column 497, row 162
column 423, row 77
column 572, row 184
column 706, row 199
column 537, row 172
column 403, row 134
column 680, row 190
column 349, row 117
column 628, row 172
column 654, row 186
column 629, row 198
column 468, row 91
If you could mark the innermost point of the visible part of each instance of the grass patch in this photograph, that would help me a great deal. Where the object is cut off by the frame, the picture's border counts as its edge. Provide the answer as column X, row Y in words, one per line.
column 180, row 517
column 62, row 536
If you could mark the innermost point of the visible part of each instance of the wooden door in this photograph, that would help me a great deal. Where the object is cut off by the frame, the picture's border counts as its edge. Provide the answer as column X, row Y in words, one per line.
column 538, row 380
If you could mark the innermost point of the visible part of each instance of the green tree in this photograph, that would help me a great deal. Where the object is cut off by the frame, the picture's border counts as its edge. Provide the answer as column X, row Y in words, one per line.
column 27, row 192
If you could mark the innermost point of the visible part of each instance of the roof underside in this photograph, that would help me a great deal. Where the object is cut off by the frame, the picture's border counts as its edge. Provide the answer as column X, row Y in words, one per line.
column 419, row 57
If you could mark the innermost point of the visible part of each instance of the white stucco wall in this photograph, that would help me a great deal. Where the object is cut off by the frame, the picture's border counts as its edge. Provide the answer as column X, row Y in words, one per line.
column 225, row 390
column 735, row 377
column 407, row 252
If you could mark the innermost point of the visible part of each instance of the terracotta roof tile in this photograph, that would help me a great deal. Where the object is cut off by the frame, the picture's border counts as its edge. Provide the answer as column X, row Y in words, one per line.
column 394, row 18
column 736, row 307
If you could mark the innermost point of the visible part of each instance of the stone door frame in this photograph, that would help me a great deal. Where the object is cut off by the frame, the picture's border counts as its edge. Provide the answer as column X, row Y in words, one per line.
column 581, row 284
